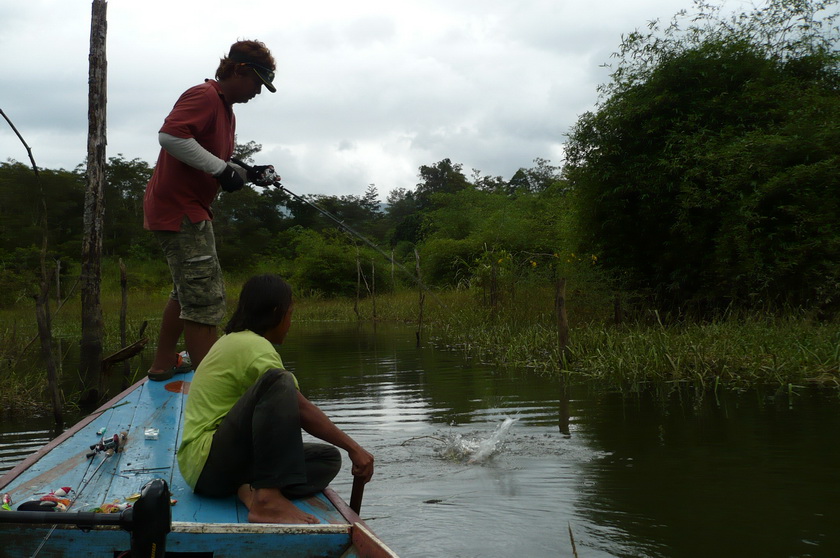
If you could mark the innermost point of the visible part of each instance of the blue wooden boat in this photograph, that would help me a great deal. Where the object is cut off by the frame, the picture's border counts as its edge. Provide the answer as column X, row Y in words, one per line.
column 128, row 498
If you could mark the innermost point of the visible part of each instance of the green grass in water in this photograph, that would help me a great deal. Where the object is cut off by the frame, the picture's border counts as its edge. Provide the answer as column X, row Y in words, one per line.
column 521, row 331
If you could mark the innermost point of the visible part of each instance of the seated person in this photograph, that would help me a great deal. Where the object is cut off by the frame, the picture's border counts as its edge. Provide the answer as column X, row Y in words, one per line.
column 244, row 414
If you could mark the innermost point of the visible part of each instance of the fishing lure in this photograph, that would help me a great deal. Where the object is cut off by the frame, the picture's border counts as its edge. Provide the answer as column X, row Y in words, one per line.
column 7, row 502
column 63, row 491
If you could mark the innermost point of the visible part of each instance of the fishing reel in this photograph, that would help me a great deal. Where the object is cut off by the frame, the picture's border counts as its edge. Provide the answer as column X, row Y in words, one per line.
column 271, row 178
column 110, row 445
column 260, row 175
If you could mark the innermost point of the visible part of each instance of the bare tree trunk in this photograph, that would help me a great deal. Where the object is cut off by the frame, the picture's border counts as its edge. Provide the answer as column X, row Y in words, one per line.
column 26, row 145
column 358, row 285
column 58, row 280
column 90, row 356
column 494, row 288
column 59, row 351
column 42, row 302
column 618, row 311
column 560, row 311
column 373, row 290
column 42, row 316
column 564, row 416
column 126, row 368
column 422, row 296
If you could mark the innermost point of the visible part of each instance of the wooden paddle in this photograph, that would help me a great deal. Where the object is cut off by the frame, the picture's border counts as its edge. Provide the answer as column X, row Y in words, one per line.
column 356, row 494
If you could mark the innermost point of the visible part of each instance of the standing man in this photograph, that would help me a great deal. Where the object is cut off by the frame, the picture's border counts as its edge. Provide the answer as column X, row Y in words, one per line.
column 197, row 142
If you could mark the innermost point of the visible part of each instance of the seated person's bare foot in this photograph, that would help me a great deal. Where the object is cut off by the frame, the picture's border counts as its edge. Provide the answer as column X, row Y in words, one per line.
column 246, row 495
column 268, row 505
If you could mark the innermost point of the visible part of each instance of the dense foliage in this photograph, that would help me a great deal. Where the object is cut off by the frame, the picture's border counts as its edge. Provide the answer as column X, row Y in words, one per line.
column 708, row 175
column 710, row 171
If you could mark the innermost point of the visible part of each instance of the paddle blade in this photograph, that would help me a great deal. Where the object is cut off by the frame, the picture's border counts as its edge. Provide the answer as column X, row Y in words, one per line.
column 356, row 494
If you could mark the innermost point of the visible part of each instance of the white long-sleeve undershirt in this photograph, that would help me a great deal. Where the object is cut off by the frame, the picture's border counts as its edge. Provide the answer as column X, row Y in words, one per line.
column 190, row 152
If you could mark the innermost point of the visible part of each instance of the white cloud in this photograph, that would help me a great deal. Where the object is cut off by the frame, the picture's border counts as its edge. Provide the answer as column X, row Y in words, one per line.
column 367, row 91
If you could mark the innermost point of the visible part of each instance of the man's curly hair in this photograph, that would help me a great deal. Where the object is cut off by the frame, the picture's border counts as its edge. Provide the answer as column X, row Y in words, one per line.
column 244, row 51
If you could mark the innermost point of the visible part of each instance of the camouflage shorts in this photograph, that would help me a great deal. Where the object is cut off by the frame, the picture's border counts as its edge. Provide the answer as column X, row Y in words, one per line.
column 198, row 283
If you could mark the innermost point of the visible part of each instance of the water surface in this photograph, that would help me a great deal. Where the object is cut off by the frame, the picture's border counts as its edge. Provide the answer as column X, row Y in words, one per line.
column 663, row 474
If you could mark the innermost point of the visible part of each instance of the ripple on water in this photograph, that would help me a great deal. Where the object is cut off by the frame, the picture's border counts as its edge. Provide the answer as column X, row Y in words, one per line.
column 16, row 446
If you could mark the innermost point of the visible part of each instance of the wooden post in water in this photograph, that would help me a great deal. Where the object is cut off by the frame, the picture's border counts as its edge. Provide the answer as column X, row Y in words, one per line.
column 564, row 414
column 58, row 280
column 358, row 285
column 618, row 312
column 90, row 355
column 59, row 352
column 494, row 287
column 560, row 312
column 123, row 323
column 373, row 289
column 422, row 295
column 42, row 316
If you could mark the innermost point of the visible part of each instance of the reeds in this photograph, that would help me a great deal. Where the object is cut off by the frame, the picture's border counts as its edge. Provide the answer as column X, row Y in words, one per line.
column 735, row 350
column 20, row 389
column 520, row 330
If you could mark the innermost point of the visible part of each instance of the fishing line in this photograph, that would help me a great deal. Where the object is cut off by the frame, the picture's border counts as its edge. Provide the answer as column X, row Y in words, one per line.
column 73, row 501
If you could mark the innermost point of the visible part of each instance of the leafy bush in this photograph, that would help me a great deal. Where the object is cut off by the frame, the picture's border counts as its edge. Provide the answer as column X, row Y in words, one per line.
column 323, row 265
column 444, row 261
column 709, row 173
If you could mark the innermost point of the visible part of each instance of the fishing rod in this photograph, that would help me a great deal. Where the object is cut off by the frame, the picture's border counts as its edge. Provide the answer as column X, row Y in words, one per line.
column 114, row 445
column 271, row 178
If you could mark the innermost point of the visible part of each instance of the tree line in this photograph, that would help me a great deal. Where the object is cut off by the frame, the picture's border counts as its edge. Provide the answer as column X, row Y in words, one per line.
column 708, row 175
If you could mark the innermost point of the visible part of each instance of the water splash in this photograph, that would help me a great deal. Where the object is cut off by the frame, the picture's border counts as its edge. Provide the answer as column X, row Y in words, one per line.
column 475, row 450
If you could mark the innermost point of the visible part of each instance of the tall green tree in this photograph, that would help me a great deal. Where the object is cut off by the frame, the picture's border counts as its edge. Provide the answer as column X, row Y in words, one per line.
column 403, row 217
column 125, row 185
column 444, row 177
column 21, row 198
column 709, row 172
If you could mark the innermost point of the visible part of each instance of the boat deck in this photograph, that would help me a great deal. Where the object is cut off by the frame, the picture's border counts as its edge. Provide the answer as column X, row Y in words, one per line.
column 147, row 417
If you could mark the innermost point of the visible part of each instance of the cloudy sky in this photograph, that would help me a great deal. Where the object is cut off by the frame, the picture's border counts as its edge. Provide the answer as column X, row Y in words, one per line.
column 367, row 90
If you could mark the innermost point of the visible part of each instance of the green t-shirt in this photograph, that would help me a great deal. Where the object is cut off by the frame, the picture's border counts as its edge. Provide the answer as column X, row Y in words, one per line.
column 231, row 366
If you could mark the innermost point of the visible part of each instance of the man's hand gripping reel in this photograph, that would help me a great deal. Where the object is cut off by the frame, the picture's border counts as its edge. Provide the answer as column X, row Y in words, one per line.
column 260, row 175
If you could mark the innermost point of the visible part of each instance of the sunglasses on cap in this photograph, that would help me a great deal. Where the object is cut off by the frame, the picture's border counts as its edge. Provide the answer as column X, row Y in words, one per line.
column 265, row 75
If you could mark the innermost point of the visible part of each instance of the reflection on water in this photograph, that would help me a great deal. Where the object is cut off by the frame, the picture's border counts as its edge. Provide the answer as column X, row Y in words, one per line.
column 659, row 474
column 21, row 438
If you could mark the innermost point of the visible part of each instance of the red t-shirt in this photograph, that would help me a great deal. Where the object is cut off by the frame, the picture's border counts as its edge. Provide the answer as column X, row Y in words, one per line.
column 177, row 189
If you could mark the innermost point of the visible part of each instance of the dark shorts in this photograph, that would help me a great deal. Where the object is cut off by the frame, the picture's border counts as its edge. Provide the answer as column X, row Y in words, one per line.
column 196, row 274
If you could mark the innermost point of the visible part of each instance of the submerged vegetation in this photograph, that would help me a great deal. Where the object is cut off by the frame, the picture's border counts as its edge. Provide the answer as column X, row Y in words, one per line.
column 734, row 350
column 693, row 225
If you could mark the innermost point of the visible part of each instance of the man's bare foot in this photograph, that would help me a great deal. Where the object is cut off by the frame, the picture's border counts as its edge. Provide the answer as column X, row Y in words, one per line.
column 268, row 505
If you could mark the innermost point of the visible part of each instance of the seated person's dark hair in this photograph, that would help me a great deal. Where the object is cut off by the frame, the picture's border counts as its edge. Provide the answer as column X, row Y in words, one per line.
column 263, row 303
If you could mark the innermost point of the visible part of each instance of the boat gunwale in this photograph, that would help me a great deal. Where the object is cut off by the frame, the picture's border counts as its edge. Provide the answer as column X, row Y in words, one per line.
column 192, row 527
column 33, row 458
